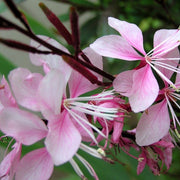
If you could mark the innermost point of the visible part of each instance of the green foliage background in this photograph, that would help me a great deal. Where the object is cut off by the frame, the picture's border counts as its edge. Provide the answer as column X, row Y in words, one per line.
column 149, row 16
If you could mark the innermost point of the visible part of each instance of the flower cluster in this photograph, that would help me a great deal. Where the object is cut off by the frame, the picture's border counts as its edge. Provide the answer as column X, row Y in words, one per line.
column 56, row 110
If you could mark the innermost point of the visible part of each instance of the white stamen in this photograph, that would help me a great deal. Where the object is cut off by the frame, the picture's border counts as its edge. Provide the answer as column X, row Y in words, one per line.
column 170, row 38
column 76, row 168
column 98, row 97
column 80, row 123
column 79, row 119
column 165, row 59
column 173, row 111
column 98, row 114
column 90, row 151
column 162, row 75
column 174, row 117
column 88, row 166
column 166, row 66
column 165, row 50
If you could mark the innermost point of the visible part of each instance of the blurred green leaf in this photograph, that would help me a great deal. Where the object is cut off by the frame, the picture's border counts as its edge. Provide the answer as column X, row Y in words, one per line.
column 38, row 28
column 5, row 65
column 89, row 30
column 3, row 5
column 64, row 17
column 71, row 177
column 82, row 2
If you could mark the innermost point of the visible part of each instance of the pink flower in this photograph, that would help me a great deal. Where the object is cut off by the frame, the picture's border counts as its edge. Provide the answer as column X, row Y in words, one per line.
column 139, row 85
column 154, row 124
column 157, row 118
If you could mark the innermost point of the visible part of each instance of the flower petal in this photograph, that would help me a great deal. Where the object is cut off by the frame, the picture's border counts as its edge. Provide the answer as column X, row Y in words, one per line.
column 115, row 46
column 63, row 139
column 24, row 126
column 128, row 31
column 24, row 85
column 123, row 83
column 50, row 93
column 153, row 125
column 36, row 165
column 144, row 89
column 78, row 84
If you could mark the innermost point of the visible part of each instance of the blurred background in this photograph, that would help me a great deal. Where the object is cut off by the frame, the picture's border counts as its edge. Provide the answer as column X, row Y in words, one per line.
column 149, row 15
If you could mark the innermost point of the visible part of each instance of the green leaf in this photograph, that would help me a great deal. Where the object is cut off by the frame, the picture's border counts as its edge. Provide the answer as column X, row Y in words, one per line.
column 82, row 3
column 89, row 30
column 3, row 6
column 64, row 17
column 5, row 65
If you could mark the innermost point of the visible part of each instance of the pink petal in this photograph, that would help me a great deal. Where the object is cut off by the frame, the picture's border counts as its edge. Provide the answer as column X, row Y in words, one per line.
column 141, row 164
column 153, row 125
column 50, row 61
column 118, row 127
column 24, row 126
column 9, row 163
column 78, row 84
column 63, row 139
column 173, row 37
column 115, row 46
column 123, row 83
column 50, row 93
column 36, row 165
column 24, row 85
column 128, row 31
column 6, row 97
column 144, row 89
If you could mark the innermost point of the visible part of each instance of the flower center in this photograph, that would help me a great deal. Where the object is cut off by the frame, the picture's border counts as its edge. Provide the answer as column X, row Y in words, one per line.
column 148, row 58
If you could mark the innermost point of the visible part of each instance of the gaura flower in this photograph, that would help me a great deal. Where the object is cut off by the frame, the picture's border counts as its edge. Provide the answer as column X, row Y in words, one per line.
column 157, row 118
column 67, row 121
column 139, row 84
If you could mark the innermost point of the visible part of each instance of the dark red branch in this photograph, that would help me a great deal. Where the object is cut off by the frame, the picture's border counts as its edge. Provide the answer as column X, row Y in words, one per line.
column 75, row 30
column 22, row 46
column 57, row 23
column 17, row 13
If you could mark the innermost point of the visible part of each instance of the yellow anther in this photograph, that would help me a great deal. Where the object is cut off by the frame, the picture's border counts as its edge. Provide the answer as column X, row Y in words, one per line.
column 175, row 88
column 101, row 152
column 140, row 159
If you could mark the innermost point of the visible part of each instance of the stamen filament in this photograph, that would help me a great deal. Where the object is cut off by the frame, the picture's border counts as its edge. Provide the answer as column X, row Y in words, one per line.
column 174, row 117
column 90, row 151
column 164, row 50
column 166, row 66
column 163, row 42
column 76, row 116
column 76, row 168
column 162, row 75
column 88, row 166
